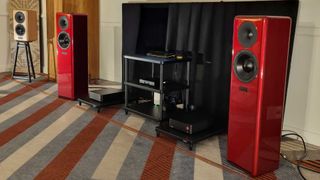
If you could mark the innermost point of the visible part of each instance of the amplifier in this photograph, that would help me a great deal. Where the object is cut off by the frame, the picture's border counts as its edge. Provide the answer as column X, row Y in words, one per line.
column 106, row 95
column 190, row 122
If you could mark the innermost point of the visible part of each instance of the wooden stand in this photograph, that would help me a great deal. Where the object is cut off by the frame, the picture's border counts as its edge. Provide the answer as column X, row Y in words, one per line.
column 25, row 45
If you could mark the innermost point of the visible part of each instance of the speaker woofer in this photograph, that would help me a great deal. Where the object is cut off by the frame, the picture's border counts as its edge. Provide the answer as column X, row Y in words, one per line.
column 20, row 30
column 245, row 66
column 247, row 34
column 19, row 17
column 64, row 40
column 63, row 22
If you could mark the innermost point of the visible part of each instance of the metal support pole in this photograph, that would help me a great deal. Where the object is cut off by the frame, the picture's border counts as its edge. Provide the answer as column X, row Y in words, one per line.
column 152, row 70
column 125, row 81
column 161, row 92
column 188, row 84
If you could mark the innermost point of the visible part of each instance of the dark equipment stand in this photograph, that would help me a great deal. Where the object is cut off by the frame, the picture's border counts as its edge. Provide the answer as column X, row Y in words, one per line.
column 26, row 45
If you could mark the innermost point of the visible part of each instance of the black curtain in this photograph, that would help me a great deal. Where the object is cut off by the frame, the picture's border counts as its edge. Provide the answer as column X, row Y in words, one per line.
column 205, row 30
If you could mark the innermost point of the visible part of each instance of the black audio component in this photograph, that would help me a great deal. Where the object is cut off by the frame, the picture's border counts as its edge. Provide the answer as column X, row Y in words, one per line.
column 153, row 82
column 190, row 122
column 105, row 95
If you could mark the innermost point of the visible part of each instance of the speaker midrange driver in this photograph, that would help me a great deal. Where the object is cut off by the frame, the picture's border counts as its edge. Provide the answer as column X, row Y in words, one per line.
column 245, row 66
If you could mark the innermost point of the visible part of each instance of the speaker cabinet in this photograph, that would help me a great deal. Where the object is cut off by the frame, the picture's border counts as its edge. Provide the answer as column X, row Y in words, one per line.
column 258, row 81
column 72, row 56
column 25, row 25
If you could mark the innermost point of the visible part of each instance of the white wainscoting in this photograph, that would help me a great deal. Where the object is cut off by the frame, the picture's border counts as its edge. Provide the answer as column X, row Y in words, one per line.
column 303, row 98
column 4, row 44
column 110, row 51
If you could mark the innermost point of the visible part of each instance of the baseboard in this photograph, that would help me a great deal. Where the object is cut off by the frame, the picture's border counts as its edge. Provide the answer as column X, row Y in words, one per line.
column 4, row 68
column 310, row 137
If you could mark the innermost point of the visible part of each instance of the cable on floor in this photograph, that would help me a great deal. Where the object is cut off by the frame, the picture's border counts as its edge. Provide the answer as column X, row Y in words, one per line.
column 292, row 133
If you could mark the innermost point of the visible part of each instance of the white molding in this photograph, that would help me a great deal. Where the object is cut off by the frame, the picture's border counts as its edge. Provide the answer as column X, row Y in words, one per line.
column 45, row 38
column 4, row 68
column 110, row 23
column 309, row 136
column 4, row 15
column 307, row 30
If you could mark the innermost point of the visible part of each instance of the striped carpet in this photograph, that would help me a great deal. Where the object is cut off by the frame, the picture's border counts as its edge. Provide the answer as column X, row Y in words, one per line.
column 45, row 137
column 294, row 150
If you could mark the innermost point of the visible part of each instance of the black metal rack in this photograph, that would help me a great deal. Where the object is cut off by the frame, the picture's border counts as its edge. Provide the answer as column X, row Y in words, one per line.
column 148, row 109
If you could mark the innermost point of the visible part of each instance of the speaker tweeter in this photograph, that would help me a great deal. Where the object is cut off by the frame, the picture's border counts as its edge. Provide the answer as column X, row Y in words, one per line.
column 247, row 34
column 63, row 22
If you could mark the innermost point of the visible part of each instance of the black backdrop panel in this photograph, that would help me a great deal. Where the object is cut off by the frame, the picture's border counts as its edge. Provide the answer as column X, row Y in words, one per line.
column 153, row 20
column 203, row 29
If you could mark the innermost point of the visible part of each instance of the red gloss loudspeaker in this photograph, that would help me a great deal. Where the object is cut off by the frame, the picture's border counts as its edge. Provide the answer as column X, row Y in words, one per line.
column 72, row 56
column 257, row 91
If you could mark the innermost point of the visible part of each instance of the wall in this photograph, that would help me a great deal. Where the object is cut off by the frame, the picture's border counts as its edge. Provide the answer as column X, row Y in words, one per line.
column 45, row 44
column 110, row 39
column 302, row 111
column 4, row 37
column 303, row 99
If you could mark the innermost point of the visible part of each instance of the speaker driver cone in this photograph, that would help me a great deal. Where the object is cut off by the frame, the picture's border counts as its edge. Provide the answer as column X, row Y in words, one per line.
column 20, row 30
column 19, row 17
column 247, row 34
column 64, row 40
column 245, row 66
column 63, row 22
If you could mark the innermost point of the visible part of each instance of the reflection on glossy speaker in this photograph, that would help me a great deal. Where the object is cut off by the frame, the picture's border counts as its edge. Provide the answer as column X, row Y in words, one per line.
column 72, row 45
column 257, row 91
column 25, row 25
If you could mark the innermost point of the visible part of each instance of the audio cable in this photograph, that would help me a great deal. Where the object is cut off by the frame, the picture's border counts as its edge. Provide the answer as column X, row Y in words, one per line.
column 292, row 133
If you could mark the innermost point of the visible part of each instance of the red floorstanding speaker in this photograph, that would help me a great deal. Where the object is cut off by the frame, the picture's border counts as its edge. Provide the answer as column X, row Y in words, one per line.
column 72, row 56
column 257, row 91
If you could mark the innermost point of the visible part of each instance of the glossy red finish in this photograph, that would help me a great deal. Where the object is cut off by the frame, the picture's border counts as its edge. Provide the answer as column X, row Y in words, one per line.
column 73, row 61
column 255, row 116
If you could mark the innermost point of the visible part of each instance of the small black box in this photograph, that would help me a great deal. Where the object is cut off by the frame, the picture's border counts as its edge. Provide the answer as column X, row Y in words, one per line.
column 190, row 122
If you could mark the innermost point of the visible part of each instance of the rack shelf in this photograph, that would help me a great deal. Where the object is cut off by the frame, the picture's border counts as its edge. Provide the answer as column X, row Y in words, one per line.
column 174, row 86
column 143, row 87
column 147, row 109
column 150, row 110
